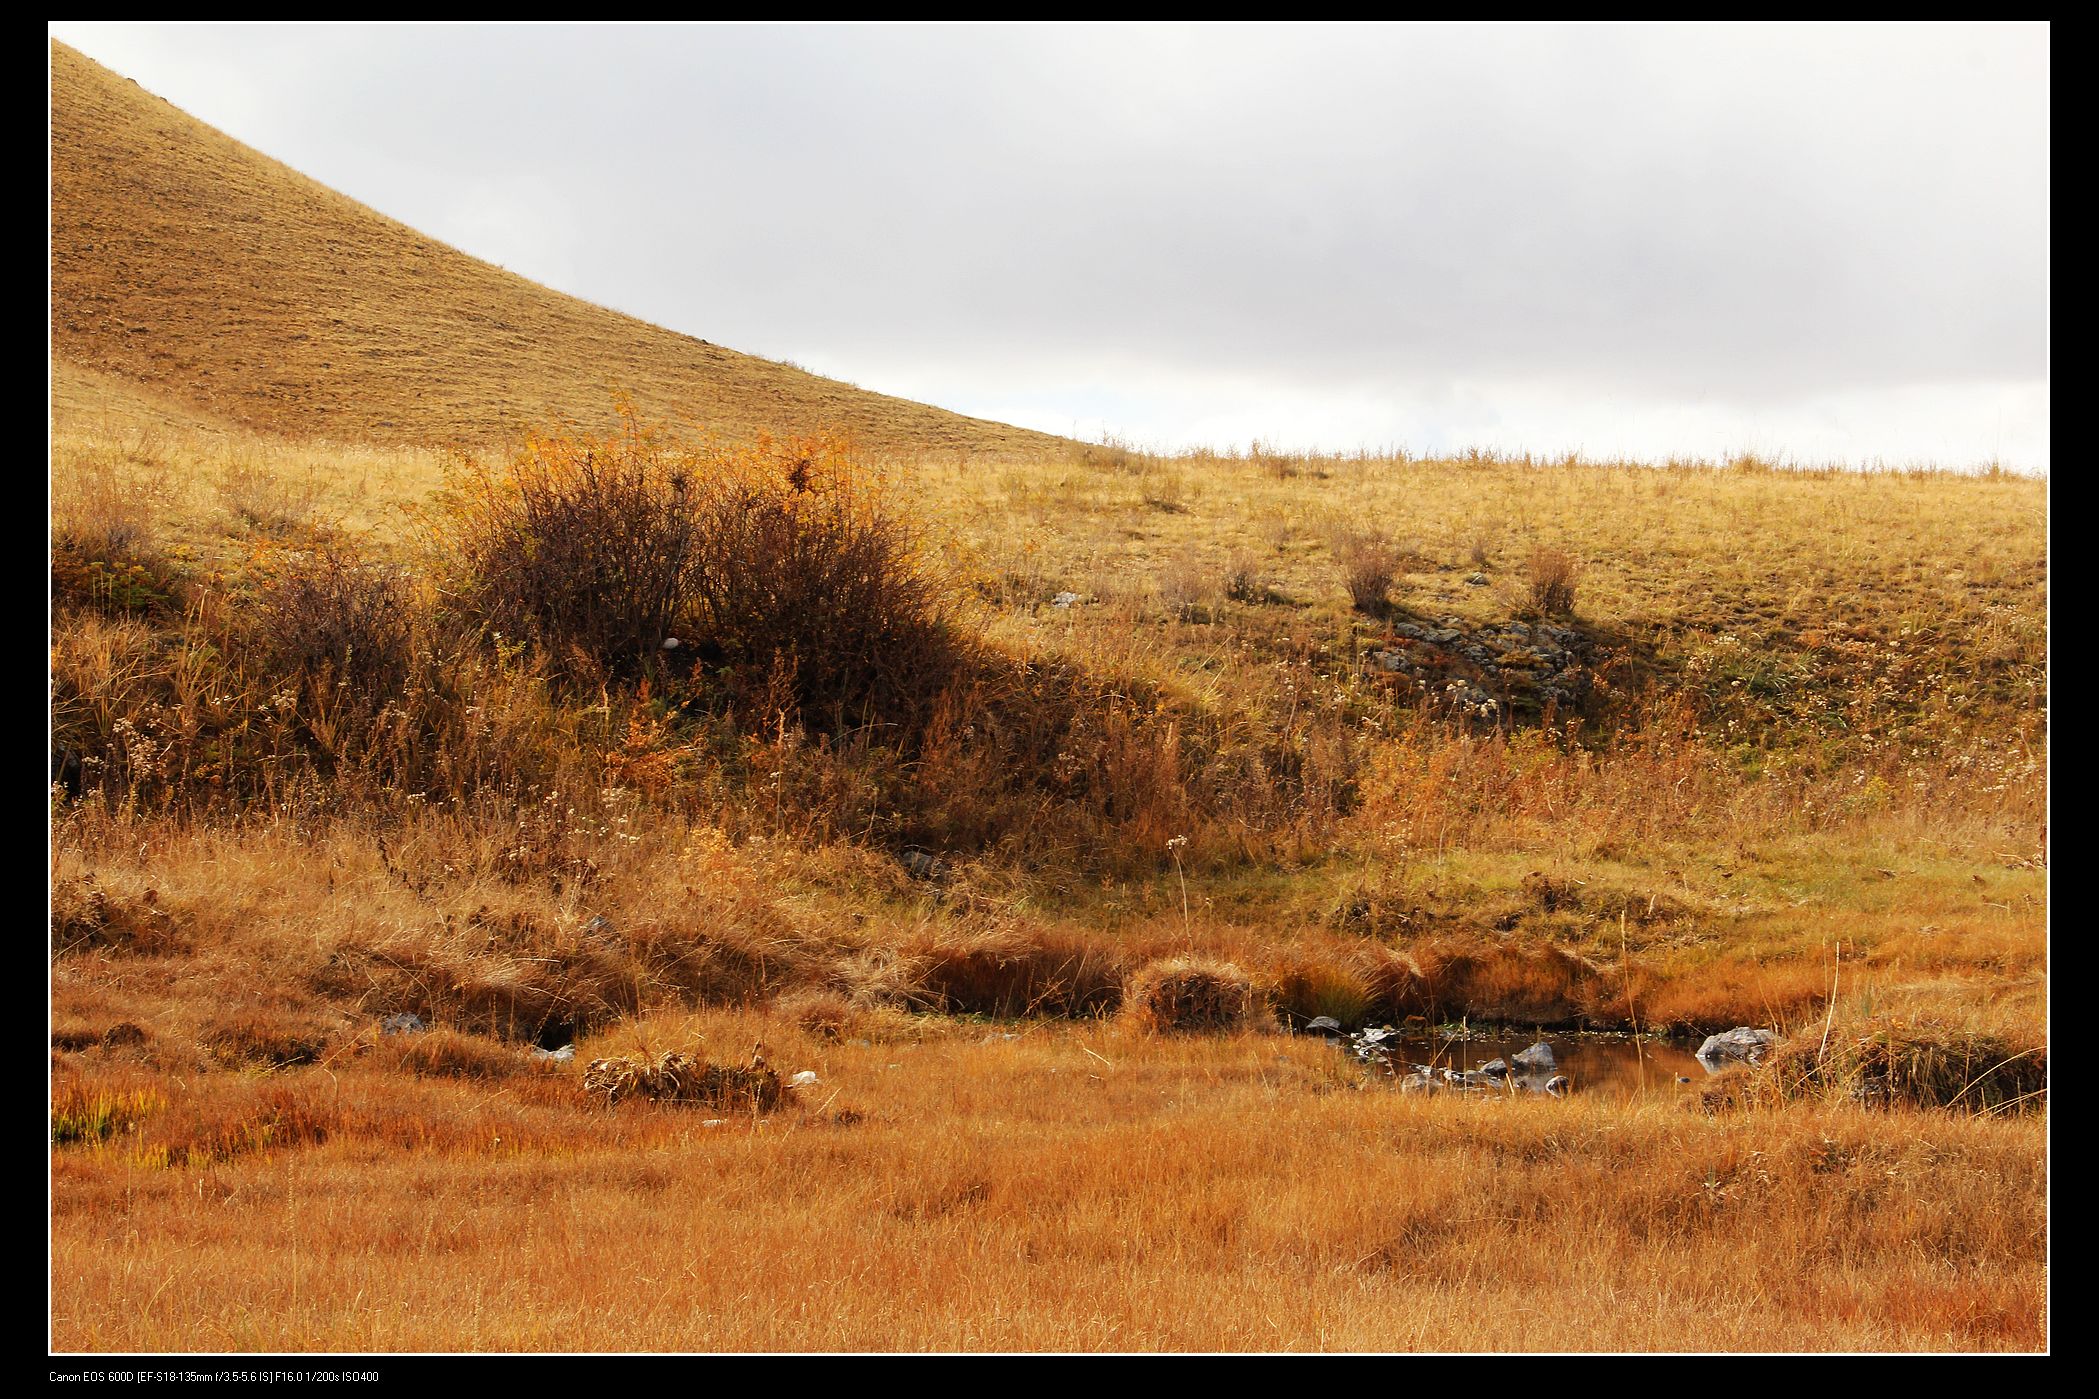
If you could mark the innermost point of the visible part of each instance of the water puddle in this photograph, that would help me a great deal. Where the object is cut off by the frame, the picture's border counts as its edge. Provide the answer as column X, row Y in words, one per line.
column 1590, row 1064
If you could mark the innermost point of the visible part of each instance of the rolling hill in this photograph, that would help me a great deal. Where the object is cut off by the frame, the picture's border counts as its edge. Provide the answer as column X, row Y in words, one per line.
column 186, row 266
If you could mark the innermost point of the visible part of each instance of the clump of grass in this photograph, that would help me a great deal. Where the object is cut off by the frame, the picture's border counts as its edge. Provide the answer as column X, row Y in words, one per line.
column 1187, row 590
column 84, row 1114
column 1552, row 574
column 262, row 497
column 1889, row 1066
column 272, row 1040
column 86, row 916
column 444, row 1053
column 1370, row 563
column 676, row 1077
column 1013, row 969
column 1243, row 581
column 1306, row 988
column 1183, row 995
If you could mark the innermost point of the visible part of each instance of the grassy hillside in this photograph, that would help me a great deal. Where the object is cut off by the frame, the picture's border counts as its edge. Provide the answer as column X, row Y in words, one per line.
column 189, row 263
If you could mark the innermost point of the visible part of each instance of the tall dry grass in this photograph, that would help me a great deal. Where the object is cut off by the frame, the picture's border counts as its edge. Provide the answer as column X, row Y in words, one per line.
column 310, row 789
column 1089, row 1190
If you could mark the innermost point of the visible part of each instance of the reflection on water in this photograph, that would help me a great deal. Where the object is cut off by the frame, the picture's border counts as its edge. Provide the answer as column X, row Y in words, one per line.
column 1592, row 1064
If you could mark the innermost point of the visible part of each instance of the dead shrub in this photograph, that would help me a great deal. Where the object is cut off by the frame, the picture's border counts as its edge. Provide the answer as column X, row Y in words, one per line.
column 1189, row 995
column 807, row 580
column 330, row 617
column 582, row 546
column 1552, row 574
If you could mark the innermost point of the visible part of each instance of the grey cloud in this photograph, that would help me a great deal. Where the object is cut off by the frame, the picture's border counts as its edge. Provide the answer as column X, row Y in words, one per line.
column 1763, row 214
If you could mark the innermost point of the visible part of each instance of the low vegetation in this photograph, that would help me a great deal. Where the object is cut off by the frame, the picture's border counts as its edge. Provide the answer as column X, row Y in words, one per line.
column 1064, row 786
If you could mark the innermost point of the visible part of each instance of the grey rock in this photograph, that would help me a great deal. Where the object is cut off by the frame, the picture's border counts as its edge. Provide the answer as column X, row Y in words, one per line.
column 1322, row 1025
column 1065, row 600
column 1495, row 1068
column 1558, row 1084
column 1741, row 1043
column 402, row 1024
column 564, row 1055
column 1538, row 1056
column 1477, row 580
column 922, row 864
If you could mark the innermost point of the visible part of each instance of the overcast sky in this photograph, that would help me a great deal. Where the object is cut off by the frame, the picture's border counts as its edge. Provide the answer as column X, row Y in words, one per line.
column 1828, row 242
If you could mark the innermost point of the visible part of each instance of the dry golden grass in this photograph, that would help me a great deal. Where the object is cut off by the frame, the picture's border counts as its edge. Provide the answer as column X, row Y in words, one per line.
column 1700, row 865
column 214, row 276
column 1080, row 1189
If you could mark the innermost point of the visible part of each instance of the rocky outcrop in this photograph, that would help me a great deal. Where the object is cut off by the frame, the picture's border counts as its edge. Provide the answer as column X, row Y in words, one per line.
column 1492, row 673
